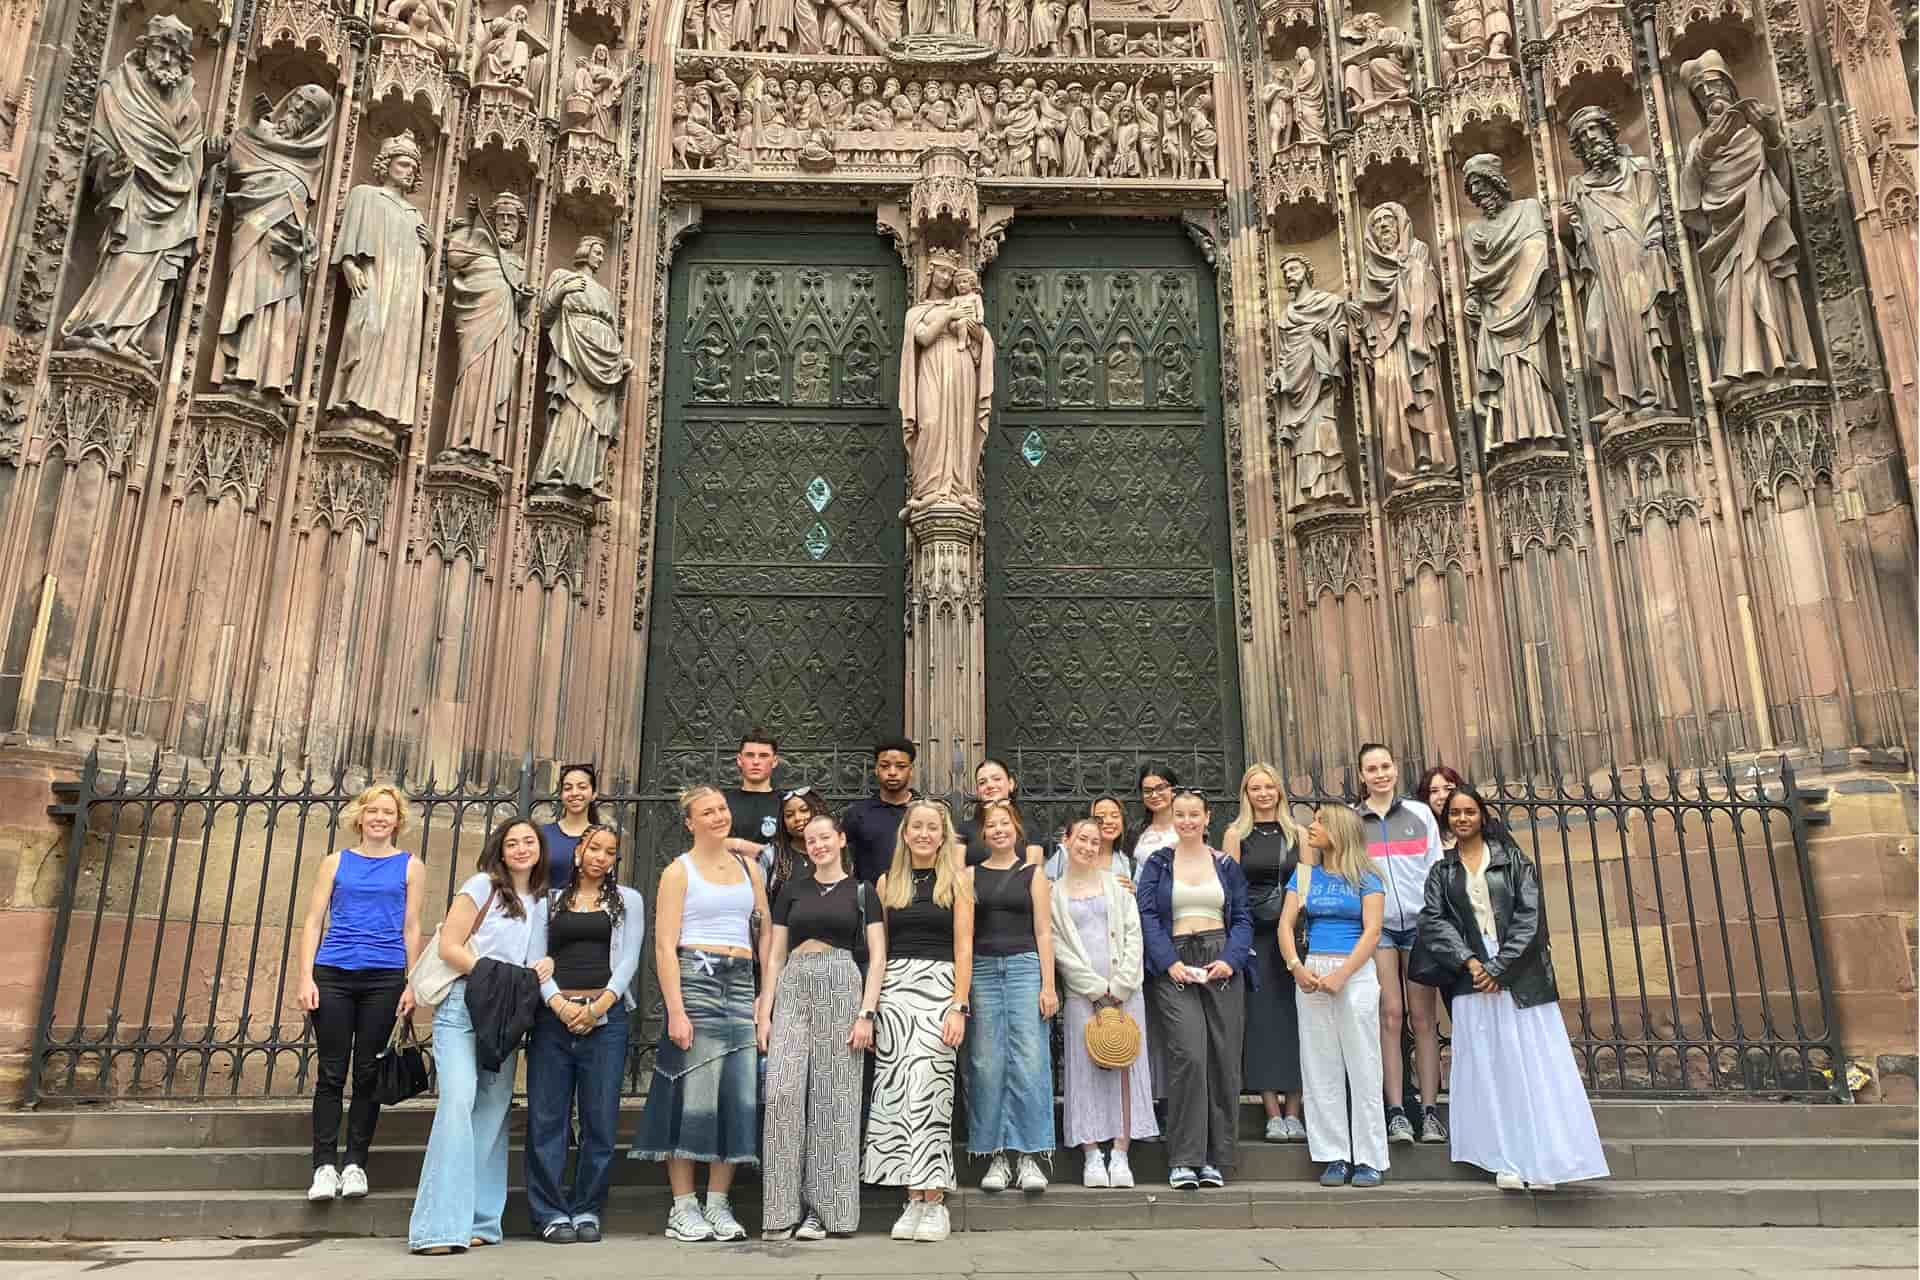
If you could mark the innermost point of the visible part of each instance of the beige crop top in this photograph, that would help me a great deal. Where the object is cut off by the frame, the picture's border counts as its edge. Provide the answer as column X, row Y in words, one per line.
column 1204, row 901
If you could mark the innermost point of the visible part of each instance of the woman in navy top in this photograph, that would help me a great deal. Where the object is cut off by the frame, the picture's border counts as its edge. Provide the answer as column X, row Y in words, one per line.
column 579, row 811
column 354, row 978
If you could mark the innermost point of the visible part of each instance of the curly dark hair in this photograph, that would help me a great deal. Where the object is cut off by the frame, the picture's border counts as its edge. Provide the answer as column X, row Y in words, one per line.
column 609, row 900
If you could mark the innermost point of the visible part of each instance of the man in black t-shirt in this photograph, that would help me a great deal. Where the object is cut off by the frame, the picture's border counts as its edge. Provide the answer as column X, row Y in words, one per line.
column 872, row 823
column 754, row 804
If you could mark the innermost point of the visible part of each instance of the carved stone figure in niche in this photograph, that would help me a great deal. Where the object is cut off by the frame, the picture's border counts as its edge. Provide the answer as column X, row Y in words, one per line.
column 381, row 252
column 1509, row 290
column 1620, row 267
column 1073, row 142
column 1126, row 137
column 812, row 373
column 1397, row 318
column 1029, row 368
column 1376, row 62
column 488, row 296
column 861, row 383
column 712, row 369
column 763, row 371
column 1045, row 37
column 1049, row 143
column 1126, row 372
column 1733, row 194
column 1311, row 365
column 585, row 372
column 274, row 173
column 991, row 21
column 1176, row 372
column 696, row 143
column 870, row 113
column 424, row 22
column 1075, row 34
column 1173, row 137
column 506, row 52
column 1076, row 372
column 889, row 20
column 1019, row 38
column 1475, row 31
column 936, row 113
column 1278, row 97
column 1309, row 99
column 147, row 156
column 1146, row 111
column 594, row 93
column 1203, row 142
column 945, row 392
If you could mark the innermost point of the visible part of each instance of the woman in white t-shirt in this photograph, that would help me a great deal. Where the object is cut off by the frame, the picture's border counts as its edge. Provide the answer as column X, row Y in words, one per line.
column 463, row 1181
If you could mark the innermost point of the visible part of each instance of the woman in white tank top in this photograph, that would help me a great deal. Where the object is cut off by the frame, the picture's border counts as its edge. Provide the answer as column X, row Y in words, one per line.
column 703, row 1106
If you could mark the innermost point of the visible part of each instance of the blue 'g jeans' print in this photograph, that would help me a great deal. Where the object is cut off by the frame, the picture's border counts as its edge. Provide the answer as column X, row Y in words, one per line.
column 1009, row 1077
column 463, row 1182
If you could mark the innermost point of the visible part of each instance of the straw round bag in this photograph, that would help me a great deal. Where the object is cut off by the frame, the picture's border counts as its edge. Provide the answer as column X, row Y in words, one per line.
column 1113, row 1038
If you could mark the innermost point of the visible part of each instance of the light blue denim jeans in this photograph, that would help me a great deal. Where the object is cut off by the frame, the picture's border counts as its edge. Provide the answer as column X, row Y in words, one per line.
column 463, row 1182
column 1009, row 1077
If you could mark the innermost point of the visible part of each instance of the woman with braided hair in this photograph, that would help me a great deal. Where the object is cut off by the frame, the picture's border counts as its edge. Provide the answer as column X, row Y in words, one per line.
column 592, row 930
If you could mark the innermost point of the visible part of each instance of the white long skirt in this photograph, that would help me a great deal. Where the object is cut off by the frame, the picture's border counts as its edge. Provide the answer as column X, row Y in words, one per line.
column 1517, row 1102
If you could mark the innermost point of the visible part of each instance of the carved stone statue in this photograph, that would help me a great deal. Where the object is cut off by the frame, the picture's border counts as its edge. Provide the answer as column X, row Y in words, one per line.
column 1376, row 61
column 946, row 389
column 487, row 296
column 1309, row 99
column 1475, row 31
column 1398, row 320
column 1509, row 303
column 147, row 157
column 274, row 173
column 424, row 22
column 1278, row 97
column 1620, row 267
column 382, row 255
column 1203, row 141
column 1733, row 194
column 1310, row 366
column 585, row 373
column 594, row 92
column 506, row 51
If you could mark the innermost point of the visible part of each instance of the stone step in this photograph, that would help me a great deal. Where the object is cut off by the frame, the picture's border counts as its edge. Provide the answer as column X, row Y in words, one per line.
column 286, row 1124
column 256, row 1214
column 52, row 1171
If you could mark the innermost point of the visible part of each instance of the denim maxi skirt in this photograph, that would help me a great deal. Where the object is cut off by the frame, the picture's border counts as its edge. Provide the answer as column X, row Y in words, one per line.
column 1009, row 1077
column 703, row 1104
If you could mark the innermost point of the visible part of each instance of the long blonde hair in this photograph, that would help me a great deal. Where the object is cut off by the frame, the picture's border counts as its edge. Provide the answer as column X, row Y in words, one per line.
column 948, row 884
column 1348, row 858
column 1243, row 822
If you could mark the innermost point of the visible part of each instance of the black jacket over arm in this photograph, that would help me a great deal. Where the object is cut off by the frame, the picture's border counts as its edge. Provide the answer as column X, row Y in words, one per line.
column 502, row 1000
column 1450, row 934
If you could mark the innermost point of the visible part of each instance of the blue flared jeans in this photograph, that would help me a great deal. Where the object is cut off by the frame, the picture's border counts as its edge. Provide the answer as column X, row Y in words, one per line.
column 1009, row 1077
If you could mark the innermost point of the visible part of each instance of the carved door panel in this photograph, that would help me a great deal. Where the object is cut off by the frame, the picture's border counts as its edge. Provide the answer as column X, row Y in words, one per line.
column 1110, row 624
column 779, row 571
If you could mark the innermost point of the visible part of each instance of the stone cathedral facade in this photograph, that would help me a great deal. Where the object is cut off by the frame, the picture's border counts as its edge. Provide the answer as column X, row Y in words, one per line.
column 426, row 383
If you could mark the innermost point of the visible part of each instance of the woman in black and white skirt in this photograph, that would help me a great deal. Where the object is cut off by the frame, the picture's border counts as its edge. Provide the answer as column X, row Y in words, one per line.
column 1266, row 841
column 923, row 1019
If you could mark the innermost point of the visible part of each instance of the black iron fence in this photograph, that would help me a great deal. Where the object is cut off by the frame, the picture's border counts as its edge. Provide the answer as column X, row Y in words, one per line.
column 1681, row 910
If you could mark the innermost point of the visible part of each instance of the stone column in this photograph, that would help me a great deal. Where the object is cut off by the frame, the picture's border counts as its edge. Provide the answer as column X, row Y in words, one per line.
column 946, row 644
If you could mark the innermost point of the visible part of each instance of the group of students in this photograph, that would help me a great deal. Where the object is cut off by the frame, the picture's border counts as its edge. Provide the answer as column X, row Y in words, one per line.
column 797, row 950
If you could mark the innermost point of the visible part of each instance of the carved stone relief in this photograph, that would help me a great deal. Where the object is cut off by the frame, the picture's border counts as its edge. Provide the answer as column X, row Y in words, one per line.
column 381, row 252
column 586, row 373
column 1510, row 310
column 229, row 447
column 487, row 284
column 1310, row 373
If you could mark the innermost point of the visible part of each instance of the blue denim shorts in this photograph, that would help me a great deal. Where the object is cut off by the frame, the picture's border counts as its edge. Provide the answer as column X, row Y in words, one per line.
column 1399, row 939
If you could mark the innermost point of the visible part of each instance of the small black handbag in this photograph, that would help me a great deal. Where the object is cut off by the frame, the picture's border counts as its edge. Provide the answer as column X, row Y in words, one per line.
column 403, row 1070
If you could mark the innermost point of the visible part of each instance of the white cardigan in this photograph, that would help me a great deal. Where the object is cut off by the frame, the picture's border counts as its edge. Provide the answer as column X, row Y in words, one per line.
column 1124, row 944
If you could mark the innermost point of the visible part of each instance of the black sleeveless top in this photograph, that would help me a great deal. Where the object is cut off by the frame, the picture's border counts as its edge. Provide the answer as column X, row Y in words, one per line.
column 923, row 929
column 581, row 944
column 1003, row 910
column 1266, row 859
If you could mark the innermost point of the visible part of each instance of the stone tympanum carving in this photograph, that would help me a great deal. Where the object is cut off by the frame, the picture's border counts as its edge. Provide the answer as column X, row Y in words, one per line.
column 1397, row 317
column 585, row 372
column 1733, row 194
column 487, row 296
column 147, row 158
column 382, row 256
column 1613, row 221
column 1509, row 306
column 1311, row 365
column 1376, row 63
column 274, row 173
column 946, row 387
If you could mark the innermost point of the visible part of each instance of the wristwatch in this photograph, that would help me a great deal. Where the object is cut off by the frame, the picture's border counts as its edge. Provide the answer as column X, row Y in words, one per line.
column 961, row 1007
column 865, row 1015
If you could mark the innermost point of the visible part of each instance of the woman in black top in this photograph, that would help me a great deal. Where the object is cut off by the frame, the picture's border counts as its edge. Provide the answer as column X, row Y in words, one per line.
column 820, row 1023
column 1267, row 842
column 993, row 783
column 1009, row 1062
column 784, row 856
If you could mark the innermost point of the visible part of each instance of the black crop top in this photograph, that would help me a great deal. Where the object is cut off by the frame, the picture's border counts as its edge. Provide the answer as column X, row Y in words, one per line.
column 1003, row 910
column 833, row 917
column 581, row 944
column 1266, row 858
column 921, row 930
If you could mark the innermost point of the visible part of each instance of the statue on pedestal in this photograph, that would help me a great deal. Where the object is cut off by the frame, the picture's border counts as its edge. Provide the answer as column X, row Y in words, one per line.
column 147, row 157
column 1310, row 365
column 585, row 373
column 382, row 255
column 1509, row 305
column 946, row 389
column 506, row 51
column 1376, row 62
column 273, row 176
column 488, row 297
column 1733, row 193
column 424, row 22
column 1397, row 318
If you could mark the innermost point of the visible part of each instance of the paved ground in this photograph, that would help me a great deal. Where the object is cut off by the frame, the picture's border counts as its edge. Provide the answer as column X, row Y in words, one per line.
column 1381, row 1254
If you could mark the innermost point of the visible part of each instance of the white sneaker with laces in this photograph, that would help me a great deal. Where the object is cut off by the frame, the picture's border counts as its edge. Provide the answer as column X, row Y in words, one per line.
column 1276, row 1128
column 908, row 1223
column 1296, row 1129
column 935, row 1224
column 1094, row 1172
column 688, row 1225
column 719, row 1215
column 1119, row 1172
column 998, row 1175
column 326, row 1184
column 1031, row 1178
column 353, row 1182
column 1540, row 1186
column 1509, row 1182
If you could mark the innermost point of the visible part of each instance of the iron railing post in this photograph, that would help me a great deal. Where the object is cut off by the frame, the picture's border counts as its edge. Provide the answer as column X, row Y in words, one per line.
column 76, row 814
column 1803, row 813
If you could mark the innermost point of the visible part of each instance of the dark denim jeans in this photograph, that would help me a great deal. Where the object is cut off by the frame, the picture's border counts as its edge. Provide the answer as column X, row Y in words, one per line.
column 563, row 1067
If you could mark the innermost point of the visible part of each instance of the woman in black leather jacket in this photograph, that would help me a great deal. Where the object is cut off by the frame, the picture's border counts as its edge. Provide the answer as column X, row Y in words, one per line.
column 1519, row 1109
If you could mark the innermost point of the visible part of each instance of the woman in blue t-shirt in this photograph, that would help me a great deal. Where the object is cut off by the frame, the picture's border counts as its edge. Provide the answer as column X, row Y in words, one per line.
column 579, row 811
column 1339, row 996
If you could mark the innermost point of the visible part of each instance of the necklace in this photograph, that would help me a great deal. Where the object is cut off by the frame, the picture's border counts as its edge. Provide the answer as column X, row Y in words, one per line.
column 829, row 887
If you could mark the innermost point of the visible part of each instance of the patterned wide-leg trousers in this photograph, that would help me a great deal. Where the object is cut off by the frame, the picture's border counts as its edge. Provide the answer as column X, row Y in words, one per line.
column 811, row 1145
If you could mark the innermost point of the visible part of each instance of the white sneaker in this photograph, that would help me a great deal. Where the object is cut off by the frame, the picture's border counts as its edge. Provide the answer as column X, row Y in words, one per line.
column 908, row 1222
column 326, row 1184
column 1509, row 1182
column 1119, row 1172
column 719, row 1215
column 353, row 1182
column 688, row 1225
column 998, row 1175
column 1094, row 1173
column 1031, row 1179
column 935, row 1224
column 1296, row 1128
column 1276, row 1128
column 1540, row 1186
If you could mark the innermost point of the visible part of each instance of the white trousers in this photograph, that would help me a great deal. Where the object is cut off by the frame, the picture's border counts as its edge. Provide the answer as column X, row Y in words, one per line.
column 1340, row 1056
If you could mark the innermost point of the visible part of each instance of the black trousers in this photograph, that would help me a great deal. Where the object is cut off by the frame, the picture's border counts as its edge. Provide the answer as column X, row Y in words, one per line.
column 355, row 1017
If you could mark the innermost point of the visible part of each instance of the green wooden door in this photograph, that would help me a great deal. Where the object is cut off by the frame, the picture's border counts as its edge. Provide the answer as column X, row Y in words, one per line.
column 1110, row 624
column 779, row 571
